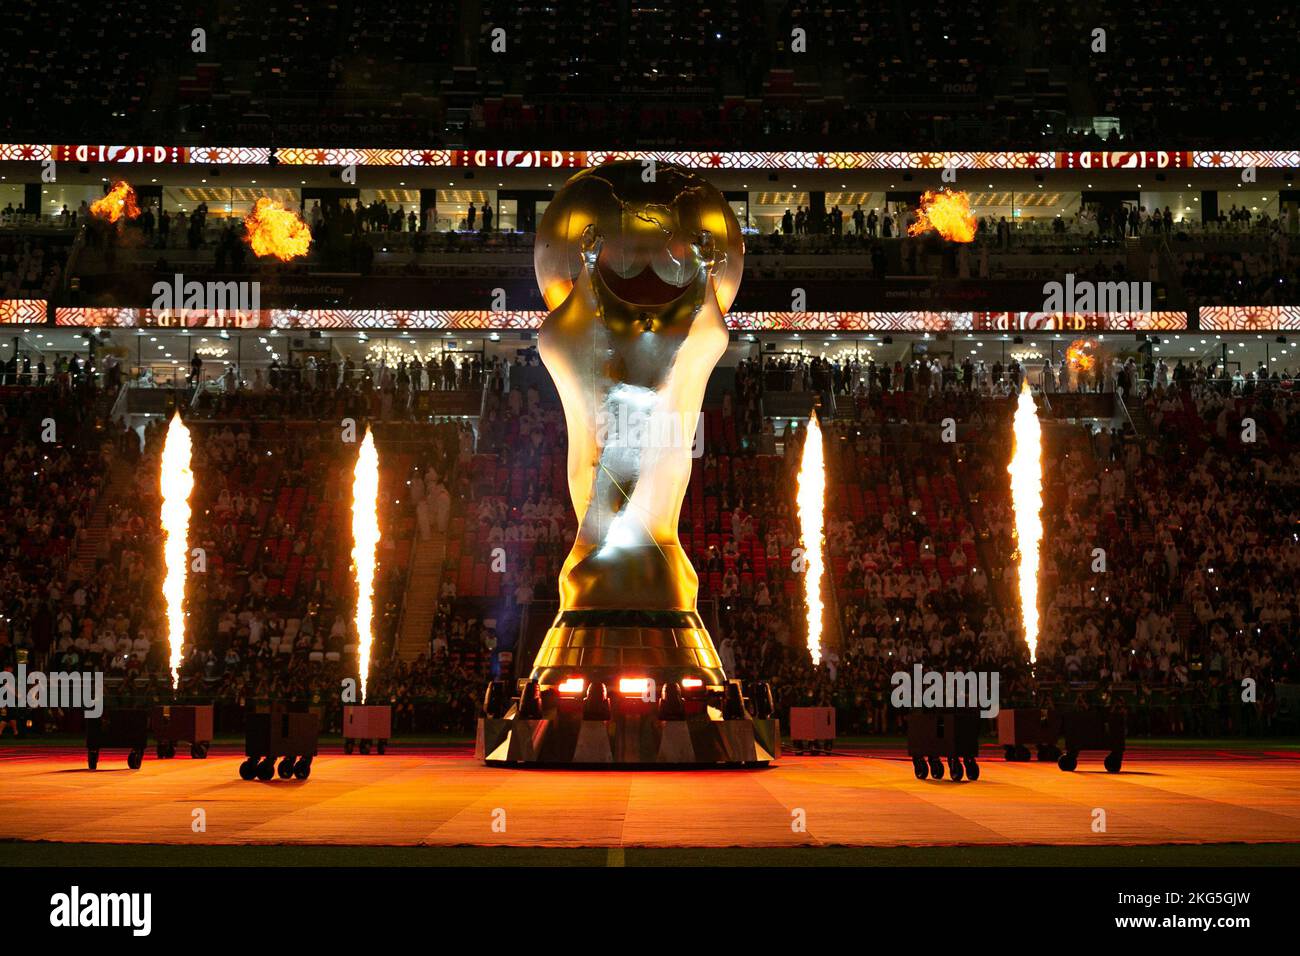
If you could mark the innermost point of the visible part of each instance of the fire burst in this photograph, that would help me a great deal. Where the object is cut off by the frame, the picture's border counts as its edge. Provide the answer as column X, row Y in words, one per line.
column 365, row 542
column 175, row 482
column 1079, row 356
column 811, row 500
column 947, row 213
column 276, row 231
column 1026, row 470
column 117, row 203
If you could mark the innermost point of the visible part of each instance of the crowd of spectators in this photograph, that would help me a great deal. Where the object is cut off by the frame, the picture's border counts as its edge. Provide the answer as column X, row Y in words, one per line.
column 776, row 75
column 322, row 388
column 1197, row 527
column 31, row 267
column 53, row 461
column 1192, row 523
column 1266, row 277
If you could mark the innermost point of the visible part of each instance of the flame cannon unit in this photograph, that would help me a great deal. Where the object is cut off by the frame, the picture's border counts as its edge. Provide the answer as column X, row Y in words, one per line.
column 183, row 723
column 1082, row 730
column 364, row 724
column 936, row 735
column 126, row 729
column 292, row 737
column 812, row 729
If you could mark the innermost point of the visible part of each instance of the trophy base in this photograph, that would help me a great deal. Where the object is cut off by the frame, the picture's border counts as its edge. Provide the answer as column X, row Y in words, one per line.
column 629, row 688
column 627, row 740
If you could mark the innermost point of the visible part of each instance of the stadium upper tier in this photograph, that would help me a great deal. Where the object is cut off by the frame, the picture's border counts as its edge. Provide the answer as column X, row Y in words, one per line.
column 770, row 74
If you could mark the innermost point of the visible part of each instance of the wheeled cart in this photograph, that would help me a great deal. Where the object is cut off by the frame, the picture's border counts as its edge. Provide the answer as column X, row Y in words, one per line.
column 936, row 735
column 1093, row 730
column 366, row 724
column 1021, row 728
column 293, row 737
column 182, row 723
column 126, row 729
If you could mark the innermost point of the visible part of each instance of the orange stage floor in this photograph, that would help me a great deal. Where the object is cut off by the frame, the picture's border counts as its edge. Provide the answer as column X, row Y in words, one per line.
column 442, row 796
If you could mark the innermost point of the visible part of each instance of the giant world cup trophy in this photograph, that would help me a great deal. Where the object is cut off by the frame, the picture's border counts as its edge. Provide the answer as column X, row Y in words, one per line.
column 638, row 265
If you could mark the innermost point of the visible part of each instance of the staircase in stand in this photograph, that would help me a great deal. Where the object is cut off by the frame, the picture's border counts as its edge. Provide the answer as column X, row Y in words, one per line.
column 1187, row 628
column 1137, row 415
column 420, row 606
column 92, row 542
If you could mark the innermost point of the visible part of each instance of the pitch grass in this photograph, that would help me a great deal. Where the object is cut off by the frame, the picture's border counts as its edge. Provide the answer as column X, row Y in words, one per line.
column 82, row 855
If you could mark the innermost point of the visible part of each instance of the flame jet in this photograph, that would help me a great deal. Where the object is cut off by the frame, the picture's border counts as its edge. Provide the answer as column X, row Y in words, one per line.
column 811, row 500
column 1026, row 470
column 176, row 484
column 365, row 541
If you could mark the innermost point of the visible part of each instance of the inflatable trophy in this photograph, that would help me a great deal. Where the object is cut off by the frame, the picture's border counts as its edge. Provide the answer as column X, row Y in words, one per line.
column 637, row 263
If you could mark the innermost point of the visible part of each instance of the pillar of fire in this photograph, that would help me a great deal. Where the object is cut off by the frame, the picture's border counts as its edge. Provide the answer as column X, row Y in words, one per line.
column 811, row 500
column 1026, row 470
column 175, row 483
column 365, row 542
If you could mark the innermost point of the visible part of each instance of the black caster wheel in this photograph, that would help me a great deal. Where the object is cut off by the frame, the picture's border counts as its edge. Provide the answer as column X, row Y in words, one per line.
column 936, row 768
column 955, row 769
column 266, row 769
column 1022, row 753
column 199, row 751
column 381, row 746
column 134, row 759
column 302, row 769
column 349, row 746
column 162, row 752
column 248, row 769
column 1113, row 761
column 972, row 769
column 285, row 770
column 365, row 746
column 919, row 768
column 1010, row 753
column 1068, row 762
column 92, row 759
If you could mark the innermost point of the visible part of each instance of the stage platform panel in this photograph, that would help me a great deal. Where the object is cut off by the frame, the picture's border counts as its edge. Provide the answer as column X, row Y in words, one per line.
column 441, row 796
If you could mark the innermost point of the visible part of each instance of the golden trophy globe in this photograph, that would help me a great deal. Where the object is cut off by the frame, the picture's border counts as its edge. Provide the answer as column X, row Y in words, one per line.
column 638, row 263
